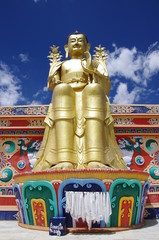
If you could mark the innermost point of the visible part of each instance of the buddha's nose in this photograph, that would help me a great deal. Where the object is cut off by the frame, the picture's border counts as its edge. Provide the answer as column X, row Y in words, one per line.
column 76, row 42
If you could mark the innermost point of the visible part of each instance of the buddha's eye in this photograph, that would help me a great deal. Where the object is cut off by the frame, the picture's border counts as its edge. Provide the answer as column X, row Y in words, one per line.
column 80, row 40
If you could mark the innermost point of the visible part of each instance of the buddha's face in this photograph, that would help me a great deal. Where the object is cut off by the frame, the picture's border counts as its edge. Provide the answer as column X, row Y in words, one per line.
column 77, row 45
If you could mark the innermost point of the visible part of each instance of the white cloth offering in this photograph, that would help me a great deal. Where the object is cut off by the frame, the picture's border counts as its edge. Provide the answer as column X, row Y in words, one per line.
column 90, row 206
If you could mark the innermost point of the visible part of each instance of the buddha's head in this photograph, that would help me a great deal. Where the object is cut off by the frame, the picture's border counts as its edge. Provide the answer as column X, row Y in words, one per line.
column 77, row 45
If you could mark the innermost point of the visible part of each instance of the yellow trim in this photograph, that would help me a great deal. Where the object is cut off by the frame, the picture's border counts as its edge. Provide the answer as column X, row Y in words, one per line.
column 152, row 205
column 8, row 208
column 153, row 193
column 43, row 214
column 7, row 196
column 65, row 174
column 121, row 210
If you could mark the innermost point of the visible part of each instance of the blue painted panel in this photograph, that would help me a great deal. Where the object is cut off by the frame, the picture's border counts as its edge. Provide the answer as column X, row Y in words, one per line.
column 8, row 215
column 19, row 202
column 152, row 213
column 143, row 201
column 78, row 185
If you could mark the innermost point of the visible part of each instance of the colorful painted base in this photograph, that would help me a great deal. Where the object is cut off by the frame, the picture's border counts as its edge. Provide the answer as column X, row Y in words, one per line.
column 40, row 196
column 85, row 230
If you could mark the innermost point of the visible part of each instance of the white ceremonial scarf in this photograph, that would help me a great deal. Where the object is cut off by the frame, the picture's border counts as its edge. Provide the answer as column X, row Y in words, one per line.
column 90, row 206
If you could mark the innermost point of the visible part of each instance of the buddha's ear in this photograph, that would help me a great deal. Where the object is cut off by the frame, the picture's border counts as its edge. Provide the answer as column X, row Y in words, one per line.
column 88, row 46
column 66, row 50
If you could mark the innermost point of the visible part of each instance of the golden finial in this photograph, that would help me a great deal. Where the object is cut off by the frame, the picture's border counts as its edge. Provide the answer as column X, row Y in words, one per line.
column 55, row 55
column 100, row 54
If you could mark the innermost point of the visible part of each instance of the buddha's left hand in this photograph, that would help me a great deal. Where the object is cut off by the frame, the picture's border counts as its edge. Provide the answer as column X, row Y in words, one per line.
column 87, row 63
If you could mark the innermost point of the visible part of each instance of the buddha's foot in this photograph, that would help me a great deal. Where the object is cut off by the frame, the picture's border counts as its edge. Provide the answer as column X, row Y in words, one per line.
column 63, row 166
column 36, row 169
column 42, row 166
column 118, row 164
column 81, row 166
column 97, row 165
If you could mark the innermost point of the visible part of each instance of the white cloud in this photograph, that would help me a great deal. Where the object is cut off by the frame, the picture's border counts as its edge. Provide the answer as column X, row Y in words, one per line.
column 123, row 96
column 123, row 62
column 37, row 93
column 23, row 57
column 45, row 89
column 36, row 1
column 114, row 83
column 10, row 88
column 131, row 64
column 133, row 67
column 41, row 93
column 35, row 102
column 151, row 64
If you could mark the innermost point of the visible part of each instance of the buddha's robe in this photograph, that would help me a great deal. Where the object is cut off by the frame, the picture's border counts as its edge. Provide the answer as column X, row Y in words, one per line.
column 79, row 127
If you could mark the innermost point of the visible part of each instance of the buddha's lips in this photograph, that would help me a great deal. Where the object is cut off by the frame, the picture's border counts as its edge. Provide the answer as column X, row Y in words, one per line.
column 76, row 46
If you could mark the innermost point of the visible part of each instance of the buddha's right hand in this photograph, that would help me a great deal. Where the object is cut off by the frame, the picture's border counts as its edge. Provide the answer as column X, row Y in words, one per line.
column 87, row 63
column 56, row 81
column 88, row 60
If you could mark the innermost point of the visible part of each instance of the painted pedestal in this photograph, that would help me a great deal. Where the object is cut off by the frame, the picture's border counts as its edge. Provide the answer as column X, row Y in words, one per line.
column 41, row 196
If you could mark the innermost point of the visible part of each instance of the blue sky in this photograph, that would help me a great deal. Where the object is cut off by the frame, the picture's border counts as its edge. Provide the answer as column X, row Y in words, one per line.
column 128, row 29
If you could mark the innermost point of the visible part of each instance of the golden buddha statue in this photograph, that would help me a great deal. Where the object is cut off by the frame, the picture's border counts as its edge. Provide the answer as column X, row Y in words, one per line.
column 79, row 129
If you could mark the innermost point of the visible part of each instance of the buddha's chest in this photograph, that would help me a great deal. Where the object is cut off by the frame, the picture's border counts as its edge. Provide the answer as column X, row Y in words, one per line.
column 72, row 73
column 71, row 66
